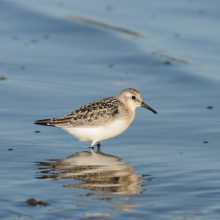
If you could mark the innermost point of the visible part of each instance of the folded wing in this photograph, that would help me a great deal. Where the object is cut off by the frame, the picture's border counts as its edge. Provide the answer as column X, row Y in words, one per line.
column 94, row 113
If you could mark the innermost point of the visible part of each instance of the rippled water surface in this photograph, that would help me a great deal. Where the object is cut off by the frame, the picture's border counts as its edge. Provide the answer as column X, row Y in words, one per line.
column 59, row 55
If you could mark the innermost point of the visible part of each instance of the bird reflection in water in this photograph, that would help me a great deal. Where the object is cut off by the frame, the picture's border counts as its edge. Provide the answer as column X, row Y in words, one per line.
column 97, row 170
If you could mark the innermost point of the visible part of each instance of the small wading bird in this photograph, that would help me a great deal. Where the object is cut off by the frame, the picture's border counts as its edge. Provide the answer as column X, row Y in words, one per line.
column 101, row 119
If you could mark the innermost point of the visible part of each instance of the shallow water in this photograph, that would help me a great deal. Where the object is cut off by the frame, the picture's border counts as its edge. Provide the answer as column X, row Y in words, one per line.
column 160, row 168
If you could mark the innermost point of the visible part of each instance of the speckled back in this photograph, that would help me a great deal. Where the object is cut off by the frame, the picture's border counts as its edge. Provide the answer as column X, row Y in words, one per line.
column 94, row 113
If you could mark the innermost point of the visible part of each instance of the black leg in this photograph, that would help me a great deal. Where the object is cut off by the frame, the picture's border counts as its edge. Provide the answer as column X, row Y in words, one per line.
column 91, row 147
column 98, row 148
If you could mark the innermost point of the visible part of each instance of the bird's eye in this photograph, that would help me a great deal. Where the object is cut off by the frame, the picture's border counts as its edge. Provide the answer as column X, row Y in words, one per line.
column 133, row 97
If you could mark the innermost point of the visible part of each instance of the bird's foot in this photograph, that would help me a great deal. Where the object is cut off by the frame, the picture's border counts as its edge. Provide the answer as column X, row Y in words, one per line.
column 91, row 147
column 98, row 148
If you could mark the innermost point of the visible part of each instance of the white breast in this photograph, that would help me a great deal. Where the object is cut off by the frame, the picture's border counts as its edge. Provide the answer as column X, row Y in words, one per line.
column 97, row 134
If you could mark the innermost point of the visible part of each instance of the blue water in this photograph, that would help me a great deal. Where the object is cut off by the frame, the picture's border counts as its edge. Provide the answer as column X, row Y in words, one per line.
column 160, row 168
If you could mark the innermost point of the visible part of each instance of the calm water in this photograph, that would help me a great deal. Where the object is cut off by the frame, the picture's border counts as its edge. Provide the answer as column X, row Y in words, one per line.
column 59, row 55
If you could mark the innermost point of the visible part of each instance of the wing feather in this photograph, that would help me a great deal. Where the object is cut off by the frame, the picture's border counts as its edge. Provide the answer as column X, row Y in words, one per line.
column 93, row 114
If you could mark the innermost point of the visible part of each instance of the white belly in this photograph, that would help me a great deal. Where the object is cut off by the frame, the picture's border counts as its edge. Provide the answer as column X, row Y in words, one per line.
column 97, row 134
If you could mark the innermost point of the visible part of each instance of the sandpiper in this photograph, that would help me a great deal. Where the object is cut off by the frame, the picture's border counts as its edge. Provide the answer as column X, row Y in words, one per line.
column 101, row 119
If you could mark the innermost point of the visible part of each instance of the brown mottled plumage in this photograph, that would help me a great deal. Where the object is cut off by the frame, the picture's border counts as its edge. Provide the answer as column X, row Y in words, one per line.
column 101, row 119
column 95, row 113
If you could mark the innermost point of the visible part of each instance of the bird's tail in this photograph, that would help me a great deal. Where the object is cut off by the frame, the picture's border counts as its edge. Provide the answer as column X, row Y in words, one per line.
column 46, row 122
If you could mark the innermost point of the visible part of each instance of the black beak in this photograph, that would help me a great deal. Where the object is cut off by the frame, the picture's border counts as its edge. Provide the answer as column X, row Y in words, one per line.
column 148, row 107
